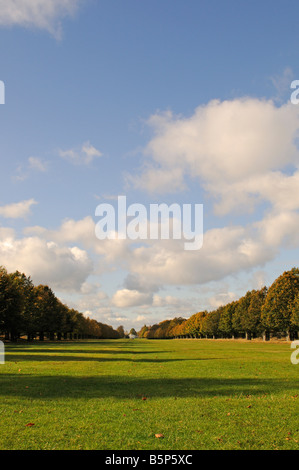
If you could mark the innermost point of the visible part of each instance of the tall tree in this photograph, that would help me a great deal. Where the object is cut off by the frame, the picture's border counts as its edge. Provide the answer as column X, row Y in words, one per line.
column 46, row 311
column 210, row 326
column 225, row 322
column 193, row 325
column 278, row 308
column 295, row 315
column 240, row 313
column 11, row 305
column 25, row 288
column 133, row 332
column 121, row 331
column 252, row 317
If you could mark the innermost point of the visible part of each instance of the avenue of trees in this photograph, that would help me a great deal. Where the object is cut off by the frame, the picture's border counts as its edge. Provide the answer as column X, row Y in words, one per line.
column 33, row 312
column 267, row 312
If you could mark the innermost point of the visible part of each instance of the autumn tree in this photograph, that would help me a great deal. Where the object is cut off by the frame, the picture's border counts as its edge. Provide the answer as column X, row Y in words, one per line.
column 174, row 326
column 121, row 331
column 11, row 305
column 278, row 309
column 25, row 288
column 193, row 325
column 143, row 331
column 46, row 311
column 240, row 311
column 225, row 321
column 295, row 316
column 210, row 325
column 251, row 321
column 133, row 332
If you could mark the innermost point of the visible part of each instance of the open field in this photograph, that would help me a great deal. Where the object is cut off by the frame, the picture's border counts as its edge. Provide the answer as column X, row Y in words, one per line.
column 117, row 394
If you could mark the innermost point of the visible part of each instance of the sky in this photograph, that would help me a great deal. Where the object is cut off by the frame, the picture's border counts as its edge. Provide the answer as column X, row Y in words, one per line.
column 161, row 101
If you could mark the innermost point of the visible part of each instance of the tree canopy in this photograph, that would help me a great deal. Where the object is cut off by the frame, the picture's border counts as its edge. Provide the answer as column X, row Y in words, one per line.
column 35, row 311
column 273, row 310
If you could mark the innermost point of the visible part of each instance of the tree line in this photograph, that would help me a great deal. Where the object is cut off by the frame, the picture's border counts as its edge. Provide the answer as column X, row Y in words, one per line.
column 266, row 312
column 35, row 312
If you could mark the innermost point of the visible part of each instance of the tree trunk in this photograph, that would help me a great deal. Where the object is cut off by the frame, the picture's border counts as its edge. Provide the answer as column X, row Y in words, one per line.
column 266, row 336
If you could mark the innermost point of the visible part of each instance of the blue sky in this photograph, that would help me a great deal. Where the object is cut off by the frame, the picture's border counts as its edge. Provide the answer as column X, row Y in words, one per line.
column 161, row 101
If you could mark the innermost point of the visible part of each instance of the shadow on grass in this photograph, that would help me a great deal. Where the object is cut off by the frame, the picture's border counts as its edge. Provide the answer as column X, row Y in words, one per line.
column 55, row 387
column 27, row 351
column 92, row 358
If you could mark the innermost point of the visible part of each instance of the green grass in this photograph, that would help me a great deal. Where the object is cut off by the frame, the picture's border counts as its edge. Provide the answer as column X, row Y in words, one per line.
column 199, row 395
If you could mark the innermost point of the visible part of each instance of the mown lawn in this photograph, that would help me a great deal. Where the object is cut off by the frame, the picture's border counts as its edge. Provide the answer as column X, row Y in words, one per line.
column 200, row 394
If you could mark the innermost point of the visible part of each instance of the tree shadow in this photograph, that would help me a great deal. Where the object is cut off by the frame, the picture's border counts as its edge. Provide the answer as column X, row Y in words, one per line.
column 13, row 350
column 91, row 358
column 125, row 387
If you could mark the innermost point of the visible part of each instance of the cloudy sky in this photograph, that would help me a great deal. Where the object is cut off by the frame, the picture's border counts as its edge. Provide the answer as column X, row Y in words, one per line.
column 161, row 101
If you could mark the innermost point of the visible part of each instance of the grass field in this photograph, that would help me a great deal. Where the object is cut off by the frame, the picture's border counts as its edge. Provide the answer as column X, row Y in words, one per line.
column 200, row 394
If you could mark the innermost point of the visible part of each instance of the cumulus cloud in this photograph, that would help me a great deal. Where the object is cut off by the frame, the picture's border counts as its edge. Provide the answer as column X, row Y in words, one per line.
column 92, row 301
column 41, row 14
column 222, row 299
column 229, row 146
column 157, row 263
column 225, row 251
column 34, row 164
column 83, row 156
column 17, row 210
column 38, row 164
column 153, row 264
column 140, row 283
column 62, row 267
column 281, row 83
column 280, row 229
column 131, row 298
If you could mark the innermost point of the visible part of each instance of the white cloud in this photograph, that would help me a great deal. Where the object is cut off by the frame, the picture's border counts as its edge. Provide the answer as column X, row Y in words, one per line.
column 222, row 299
column 38, row 164
column 62, row 267
column 88, row 288
column 280, row 229
column 33, row 164
column 230, row 147
column 157, row 180
column 41, row 14
column 140, row 318
column 157, row 263
column 83, row 156
column 92, row 301
column 17, row 210
column 111, row 253
column 225, row 251
column 131, row 298
column 282, row 83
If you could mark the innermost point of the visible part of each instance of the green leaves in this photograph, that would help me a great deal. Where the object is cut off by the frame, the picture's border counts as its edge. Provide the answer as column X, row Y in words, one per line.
column 273, row 310
column 35, row 310
column 279, row 306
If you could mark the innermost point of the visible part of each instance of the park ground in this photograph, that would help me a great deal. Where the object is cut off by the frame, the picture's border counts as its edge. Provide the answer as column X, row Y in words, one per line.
column 120, row 394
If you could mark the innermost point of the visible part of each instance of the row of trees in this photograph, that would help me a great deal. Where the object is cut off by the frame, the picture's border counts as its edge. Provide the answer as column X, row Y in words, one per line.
column 35, row 311
column 259, row 313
